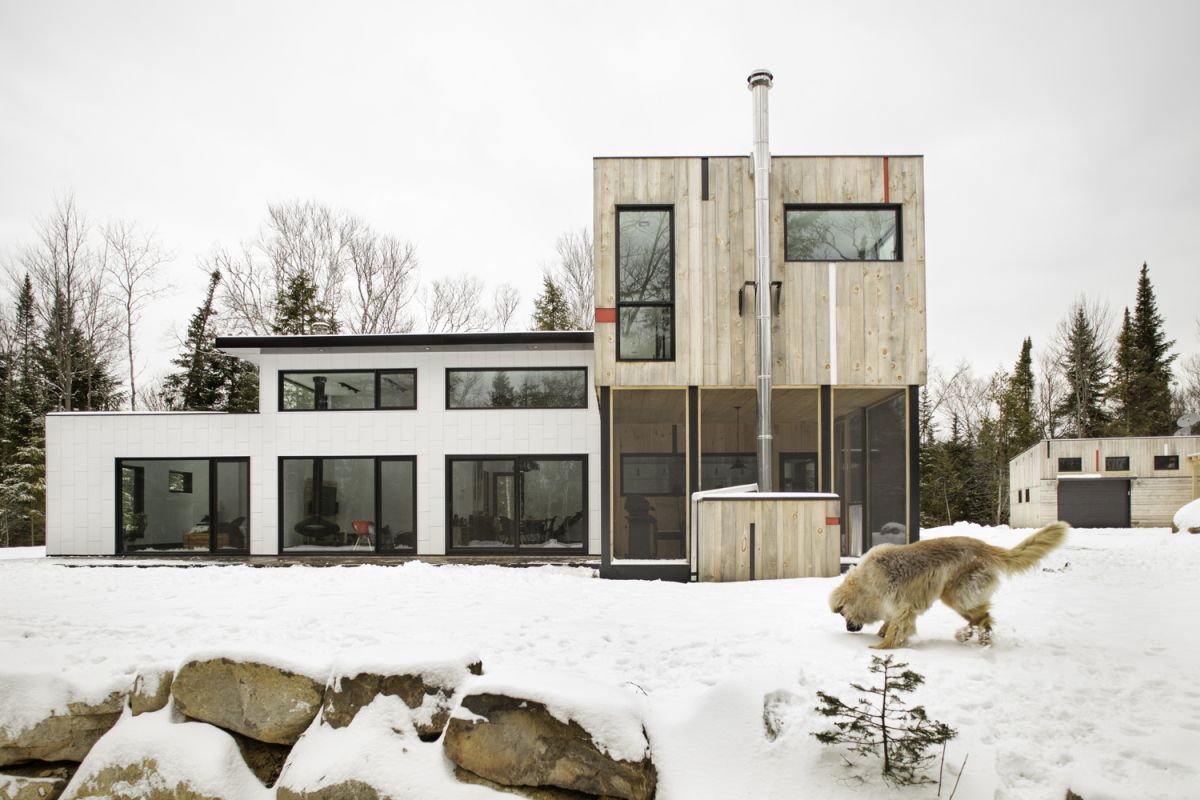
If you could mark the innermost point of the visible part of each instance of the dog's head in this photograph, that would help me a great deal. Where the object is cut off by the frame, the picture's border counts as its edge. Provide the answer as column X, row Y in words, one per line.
column 853, row 603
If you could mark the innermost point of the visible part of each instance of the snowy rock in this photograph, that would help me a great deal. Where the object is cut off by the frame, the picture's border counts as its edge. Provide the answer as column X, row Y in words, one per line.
column 343, row 790
column 151, row 689
column 426, row 687
column 530, row 792
column 262, row 701
column 264, row 760
column 582, row 737
column 35, row 782
column 45, row 718
column 159, row 757
column 1188, row 518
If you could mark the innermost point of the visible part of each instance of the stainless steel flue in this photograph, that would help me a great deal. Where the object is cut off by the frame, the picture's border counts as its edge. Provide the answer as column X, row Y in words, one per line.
column 760, row 84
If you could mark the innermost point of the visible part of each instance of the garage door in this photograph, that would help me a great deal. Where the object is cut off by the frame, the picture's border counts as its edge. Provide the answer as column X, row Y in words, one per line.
column 1094, row 502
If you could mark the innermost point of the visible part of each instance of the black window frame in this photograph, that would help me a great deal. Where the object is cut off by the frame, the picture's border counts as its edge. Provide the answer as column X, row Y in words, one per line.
column 1113, row 463
column 898, row 208
column 1167, row 462
column 1070, row 464
column 517, row 548
column 376, row 378
column 670, row 305
column 377, row 507
column 139, row 506
column 449, row 407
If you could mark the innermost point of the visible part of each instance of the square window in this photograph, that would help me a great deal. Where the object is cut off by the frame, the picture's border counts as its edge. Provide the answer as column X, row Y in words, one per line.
column 179, row 482
column 1166, row 462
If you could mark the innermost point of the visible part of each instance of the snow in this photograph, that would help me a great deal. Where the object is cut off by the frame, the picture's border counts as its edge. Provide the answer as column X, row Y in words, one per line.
column 1188, row 517
column 1090, row 683
column 26, row 698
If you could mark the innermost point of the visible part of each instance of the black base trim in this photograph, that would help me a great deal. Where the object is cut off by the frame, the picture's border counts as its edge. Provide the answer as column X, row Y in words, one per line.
column 680, row 573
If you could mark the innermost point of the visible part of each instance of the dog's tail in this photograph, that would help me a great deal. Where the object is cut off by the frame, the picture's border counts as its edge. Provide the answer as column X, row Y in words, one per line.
column 1035, row 548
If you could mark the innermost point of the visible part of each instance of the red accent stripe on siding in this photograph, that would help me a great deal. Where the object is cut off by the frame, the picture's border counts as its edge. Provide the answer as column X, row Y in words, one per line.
column 885, row 179
column 832, row 521
column 606, row 315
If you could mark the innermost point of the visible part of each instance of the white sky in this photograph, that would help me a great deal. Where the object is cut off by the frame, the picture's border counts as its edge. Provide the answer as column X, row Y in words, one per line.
column 1062, row 140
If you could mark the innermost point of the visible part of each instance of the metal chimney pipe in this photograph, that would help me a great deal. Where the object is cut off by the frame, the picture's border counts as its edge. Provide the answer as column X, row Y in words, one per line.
column 760, row 84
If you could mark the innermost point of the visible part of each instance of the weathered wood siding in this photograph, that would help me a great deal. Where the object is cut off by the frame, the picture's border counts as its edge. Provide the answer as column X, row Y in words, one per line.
column 880, row 306
column 791, row 539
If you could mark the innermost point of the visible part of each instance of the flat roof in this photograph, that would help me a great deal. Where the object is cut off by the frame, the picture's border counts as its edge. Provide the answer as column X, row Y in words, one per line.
column 751, row 155
column 316, row 343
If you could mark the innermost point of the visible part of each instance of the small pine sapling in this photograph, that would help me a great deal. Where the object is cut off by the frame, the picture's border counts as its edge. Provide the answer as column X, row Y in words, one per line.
column 884, row 725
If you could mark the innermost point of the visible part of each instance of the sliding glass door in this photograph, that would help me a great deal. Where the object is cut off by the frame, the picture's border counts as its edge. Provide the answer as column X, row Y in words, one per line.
column 168, row 505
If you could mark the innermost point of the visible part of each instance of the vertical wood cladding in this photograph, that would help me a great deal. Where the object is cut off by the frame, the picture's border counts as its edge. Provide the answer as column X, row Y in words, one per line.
column 880, row 305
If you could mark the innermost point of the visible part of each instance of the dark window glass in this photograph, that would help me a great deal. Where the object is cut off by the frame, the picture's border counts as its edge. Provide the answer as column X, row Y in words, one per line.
column 798, row 472
column 398, row 389
column 1070, row 465
column 1026, row 495
column 534, row 502
column 1116, row 463
column 645, row 284
column 165, row 505
column 327, row 503
column 327, row 391
column 887, row 471
column 841, row 233
column 649, row 512
column 516, row 388
column 1166, row 462
column 397, row 529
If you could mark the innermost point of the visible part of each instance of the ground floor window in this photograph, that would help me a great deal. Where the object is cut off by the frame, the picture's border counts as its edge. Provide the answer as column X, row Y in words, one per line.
column 514, row 503
column 183, row 505
column 348, row 505
column 871, row 466
column 651, row 479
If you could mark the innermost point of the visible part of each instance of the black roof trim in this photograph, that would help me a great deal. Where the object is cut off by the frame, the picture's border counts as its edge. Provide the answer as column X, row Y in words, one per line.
column 751, row 155
column 340, row 340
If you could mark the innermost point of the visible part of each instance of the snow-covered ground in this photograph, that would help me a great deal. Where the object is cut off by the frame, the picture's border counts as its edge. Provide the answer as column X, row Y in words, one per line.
column 1091, row 682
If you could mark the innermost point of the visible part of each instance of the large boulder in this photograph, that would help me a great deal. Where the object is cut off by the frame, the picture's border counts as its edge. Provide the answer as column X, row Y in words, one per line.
column 350, row 789
column 427, row 687
column 45, row 718
column 159, row 756
column 265, row 702
column 539, row 730
column 151, row 689
column 35, row 781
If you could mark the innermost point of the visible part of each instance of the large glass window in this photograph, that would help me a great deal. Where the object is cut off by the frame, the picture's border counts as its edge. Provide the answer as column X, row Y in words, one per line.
column 183, row 505
column 516, row 388
column 517, row 502
column 348, row 505
column 842, row 233
column 651, row 482
column 645, row 284
column 341, row 390
column 871, row 467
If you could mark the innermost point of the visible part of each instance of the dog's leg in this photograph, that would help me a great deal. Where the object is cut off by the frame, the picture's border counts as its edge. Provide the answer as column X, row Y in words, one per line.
column 899, row 628
column 981, row 620
column 882, row 630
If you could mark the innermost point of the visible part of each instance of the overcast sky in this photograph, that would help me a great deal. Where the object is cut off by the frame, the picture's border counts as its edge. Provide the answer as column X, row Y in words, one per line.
column 1061, row 140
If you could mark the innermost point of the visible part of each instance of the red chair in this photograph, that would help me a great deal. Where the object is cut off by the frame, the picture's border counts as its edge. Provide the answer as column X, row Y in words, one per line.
column 363, row 530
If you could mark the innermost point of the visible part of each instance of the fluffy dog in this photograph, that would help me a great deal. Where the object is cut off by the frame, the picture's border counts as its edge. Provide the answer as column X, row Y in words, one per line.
column 895, row 583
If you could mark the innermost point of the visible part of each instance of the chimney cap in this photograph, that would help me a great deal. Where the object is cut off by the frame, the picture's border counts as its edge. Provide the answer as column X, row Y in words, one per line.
column 760, row 77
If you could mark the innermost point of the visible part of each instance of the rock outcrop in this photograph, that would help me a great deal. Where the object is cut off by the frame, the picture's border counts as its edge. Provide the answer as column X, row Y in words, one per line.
column 35, row 781
column 61, row 736
column 264, row 702
column 151, row 690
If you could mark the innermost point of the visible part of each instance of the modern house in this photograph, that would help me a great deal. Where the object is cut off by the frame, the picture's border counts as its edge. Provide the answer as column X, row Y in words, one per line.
column 760, row 322
column 1103, row 483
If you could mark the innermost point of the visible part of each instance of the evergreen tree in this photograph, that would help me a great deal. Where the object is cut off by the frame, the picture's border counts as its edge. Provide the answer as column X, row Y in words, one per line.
column 203, row 372
column 1123, row 384
column 1085, row 368
column 1150, row 382
column 23, row 477
column 502, row 393
column 550, row 309
column 241, row 394
column 298, row 309
column 1017, row 404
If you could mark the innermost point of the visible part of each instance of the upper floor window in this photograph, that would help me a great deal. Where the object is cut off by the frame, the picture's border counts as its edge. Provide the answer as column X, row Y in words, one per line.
column 1070, row 465
column 516, row 388
column 347, row 390
column 645, row 283
column 842, row 233
column 1116, row 463
column 1166, row 462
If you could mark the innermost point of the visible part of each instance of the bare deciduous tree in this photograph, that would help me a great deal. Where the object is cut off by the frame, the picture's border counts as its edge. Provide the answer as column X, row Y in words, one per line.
column 505, row 301
column 453, row 305
column 573, row 274
column 133, row 259
column 1051, row 389
column 385, row 278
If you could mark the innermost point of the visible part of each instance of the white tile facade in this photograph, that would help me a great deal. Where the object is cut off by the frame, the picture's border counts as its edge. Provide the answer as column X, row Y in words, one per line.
column 82, row 448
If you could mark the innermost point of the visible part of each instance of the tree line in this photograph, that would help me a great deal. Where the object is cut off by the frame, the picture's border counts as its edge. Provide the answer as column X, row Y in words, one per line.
column 70, row 327
column 1093, row 378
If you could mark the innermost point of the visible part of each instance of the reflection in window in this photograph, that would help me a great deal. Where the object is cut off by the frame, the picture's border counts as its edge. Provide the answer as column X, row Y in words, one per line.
column 332, row 390
column 516, row 388
column 645, row 284
column 842, row 233
column 165, row 505
column 1070, row 465
column 1116, row 463
column 1166, row 462
column 525, row 502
